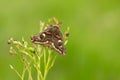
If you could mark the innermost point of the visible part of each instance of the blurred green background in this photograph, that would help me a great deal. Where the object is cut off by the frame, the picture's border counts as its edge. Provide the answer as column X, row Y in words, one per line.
column 93, row 51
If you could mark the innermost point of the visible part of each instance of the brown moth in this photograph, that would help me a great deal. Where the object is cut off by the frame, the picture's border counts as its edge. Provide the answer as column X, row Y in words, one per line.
column 51, row 37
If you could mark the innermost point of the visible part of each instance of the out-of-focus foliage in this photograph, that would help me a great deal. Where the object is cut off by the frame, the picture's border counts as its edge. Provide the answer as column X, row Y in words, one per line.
column 93, row 51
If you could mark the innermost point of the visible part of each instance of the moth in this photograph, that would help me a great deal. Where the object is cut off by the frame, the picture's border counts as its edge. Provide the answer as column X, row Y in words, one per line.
column 51, row 37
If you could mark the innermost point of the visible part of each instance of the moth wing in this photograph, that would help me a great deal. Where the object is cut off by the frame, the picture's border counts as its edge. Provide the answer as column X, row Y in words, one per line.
column 43, row 38
column 57, row 41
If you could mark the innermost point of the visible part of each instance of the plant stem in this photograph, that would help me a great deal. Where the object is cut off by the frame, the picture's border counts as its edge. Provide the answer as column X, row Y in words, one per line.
column 47, row 65
column 23, row 73
column 16, row 71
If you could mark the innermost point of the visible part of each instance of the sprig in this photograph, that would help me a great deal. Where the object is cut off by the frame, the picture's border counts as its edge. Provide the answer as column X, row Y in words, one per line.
column 32, row 56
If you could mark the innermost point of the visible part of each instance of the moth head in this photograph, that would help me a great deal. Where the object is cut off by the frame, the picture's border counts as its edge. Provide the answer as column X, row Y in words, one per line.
column 34, row 38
